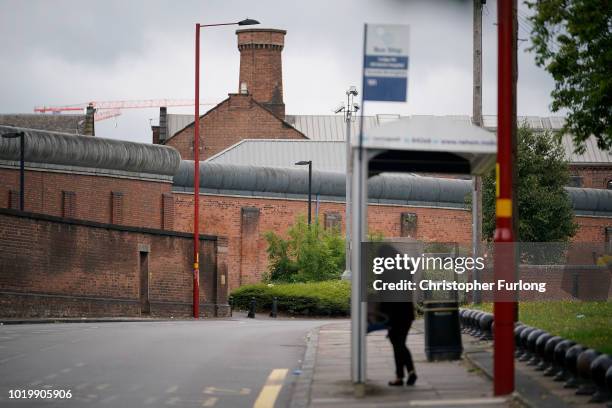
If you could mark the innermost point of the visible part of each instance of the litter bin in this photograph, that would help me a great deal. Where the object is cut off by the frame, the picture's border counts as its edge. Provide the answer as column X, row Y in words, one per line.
column 442, row 330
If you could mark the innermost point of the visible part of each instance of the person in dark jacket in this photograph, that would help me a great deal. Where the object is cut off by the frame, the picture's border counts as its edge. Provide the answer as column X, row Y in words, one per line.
column 400, row 317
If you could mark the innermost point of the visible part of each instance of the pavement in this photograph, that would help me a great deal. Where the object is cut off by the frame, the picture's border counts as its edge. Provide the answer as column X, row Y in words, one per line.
column 229, row 363
column 325, row 381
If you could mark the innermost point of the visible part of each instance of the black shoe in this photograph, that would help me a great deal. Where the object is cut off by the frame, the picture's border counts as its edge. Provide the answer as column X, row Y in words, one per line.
column 411, row 379
column 396, row 383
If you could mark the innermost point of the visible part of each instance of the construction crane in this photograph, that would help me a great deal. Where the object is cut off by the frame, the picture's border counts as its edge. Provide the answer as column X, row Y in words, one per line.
column 110, row 109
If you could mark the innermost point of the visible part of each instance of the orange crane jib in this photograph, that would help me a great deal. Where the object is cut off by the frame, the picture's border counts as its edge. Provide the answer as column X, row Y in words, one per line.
column 109, row 109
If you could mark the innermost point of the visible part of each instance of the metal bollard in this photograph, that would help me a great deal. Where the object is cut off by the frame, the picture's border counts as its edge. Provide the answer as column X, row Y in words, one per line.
column 571, row 359
column 547, row 364
column 599, row 367
column 562, row 373
column 538, row 349
column 251, row 314
column 583, row 366
column 274, row 310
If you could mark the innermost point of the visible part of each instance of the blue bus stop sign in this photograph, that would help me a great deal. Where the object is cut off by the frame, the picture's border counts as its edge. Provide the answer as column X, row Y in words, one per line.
column 385, row 62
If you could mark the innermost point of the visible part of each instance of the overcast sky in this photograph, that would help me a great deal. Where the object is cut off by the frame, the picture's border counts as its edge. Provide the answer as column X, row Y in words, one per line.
column 67, row 51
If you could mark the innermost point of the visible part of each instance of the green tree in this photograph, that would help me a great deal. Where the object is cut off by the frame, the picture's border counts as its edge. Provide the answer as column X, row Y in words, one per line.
column 545, row 210
column 308, row 254
column 572, row 39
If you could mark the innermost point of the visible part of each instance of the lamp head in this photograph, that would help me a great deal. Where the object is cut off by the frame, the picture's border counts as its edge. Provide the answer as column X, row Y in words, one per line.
column 248, row 21
column 303, row 163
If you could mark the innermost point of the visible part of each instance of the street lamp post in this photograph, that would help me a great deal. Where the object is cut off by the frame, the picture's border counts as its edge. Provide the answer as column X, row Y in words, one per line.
column 309, row 163
column 348, row 110
column 21, row 136
column 196, row 164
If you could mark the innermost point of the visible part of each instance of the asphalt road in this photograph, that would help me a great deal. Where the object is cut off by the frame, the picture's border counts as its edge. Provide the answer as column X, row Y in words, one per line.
column 207, row 363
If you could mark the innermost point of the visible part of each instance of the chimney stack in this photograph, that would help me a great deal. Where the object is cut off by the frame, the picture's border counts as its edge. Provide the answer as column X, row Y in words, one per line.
column 163, row 124
column 261, row 72
column 89, row 127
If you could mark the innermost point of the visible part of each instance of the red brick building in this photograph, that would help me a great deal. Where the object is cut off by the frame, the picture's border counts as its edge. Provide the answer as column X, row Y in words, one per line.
column 256, row 112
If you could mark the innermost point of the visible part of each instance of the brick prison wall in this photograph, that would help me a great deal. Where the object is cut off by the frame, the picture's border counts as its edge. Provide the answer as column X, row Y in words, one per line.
column 52, row 267
column 592, row 229
column 591, row 177
column 244, row 220
column 106, row 199
column 230, row 122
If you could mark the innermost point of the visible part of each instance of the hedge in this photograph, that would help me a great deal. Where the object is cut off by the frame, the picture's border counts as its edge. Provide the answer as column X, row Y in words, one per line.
column 327, row 298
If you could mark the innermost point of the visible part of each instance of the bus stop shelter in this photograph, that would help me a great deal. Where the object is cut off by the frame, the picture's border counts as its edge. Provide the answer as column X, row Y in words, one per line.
column 411, row 144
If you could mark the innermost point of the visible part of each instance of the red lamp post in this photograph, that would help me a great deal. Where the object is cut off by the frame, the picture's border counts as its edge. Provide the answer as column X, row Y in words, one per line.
column 196, row 165
column 504, row 261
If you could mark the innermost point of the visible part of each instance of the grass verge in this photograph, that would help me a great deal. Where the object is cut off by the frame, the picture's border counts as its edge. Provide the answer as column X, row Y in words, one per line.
column 588, row 323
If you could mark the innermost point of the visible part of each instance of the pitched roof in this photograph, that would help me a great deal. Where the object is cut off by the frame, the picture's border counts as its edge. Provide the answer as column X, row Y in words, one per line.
column 65, row 123
column 332, row 128
column 326, row 156
column 179, row 122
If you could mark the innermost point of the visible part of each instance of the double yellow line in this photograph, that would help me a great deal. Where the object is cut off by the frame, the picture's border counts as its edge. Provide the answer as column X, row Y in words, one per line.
column 269, row 392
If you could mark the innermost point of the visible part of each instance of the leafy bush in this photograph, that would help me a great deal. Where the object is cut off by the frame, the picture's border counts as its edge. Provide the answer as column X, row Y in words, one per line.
column 308, row 254
column 545, row 210
column 328, row 298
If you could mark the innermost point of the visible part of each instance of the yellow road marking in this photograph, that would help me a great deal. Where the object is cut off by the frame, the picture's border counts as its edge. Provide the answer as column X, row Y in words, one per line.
column 269, row 392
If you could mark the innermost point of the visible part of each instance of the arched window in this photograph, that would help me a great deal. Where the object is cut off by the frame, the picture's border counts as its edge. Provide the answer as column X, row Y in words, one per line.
column 610, row 185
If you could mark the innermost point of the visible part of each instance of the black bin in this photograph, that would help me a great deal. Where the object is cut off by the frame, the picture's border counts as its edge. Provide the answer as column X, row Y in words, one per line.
column 442, row 330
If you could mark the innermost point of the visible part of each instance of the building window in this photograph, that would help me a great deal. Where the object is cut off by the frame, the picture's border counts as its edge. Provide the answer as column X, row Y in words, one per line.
column 68, row 204
column 408, row 225
column 609, row 186
column 333, row 221
column 575, row 181
column 116, row 207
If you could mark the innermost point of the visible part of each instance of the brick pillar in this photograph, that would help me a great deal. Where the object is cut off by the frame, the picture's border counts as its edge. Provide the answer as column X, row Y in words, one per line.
column 261, row 69
column 221, row 302
column 249, row 243
column 13, row 199
column 68, row 204
column 167, row 211
column 116, row 207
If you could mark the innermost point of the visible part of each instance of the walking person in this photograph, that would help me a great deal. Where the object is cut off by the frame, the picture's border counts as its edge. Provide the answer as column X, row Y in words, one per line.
column 400, row 317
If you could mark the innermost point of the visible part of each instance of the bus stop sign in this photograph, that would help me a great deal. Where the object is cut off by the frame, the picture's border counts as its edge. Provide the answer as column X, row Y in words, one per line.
column 385, row 63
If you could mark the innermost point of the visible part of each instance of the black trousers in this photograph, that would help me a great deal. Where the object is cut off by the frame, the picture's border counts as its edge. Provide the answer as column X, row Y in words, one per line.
column 403, row 358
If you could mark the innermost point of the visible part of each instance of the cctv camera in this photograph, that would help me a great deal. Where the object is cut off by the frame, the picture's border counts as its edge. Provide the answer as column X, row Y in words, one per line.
column 339, row 109
column 356, row 106
column 352, row 91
